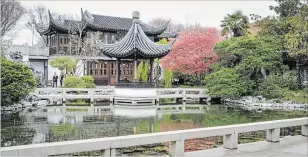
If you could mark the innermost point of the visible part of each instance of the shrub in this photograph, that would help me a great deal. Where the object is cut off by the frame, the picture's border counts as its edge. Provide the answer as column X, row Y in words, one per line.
column 274, row 86
column 88, row 81
column 297, row 96
column 78, row 82
column 289, row 80
column 224, row 83
column 17, row 81
column 271, row 87
column 73, row 82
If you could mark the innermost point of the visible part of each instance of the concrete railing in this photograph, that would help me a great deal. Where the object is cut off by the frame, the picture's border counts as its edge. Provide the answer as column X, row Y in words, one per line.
column 181, row 92
column 109, row 93
column 175, row 138
column 85, row 93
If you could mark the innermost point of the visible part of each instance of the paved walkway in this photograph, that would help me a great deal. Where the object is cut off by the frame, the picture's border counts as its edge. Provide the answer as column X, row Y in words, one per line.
column 288, row 146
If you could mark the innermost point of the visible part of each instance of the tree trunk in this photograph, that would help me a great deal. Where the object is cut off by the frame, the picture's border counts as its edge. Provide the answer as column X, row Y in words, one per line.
column 263, row 72
column 299, row 82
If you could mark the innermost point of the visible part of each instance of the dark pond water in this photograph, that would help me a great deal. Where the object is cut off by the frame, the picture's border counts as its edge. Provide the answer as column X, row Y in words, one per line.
column 53, row 124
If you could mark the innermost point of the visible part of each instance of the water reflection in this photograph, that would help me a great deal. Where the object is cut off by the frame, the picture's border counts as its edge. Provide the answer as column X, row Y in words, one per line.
column 52, row 124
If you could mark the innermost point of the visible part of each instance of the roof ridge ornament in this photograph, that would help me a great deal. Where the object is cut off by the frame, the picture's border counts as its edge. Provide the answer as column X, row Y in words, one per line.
column 82, row 15
column 136, row 44
column 136, row 15
column 50, row 16
column 88, row 16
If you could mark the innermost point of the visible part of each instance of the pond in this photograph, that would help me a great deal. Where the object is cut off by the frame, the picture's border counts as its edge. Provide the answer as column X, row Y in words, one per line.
column 52, row 124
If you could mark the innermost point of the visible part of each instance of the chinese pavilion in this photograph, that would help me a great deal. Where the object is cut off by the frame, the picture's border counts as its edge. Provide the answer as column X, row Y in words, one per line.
column 136, row 45
column 127, row 39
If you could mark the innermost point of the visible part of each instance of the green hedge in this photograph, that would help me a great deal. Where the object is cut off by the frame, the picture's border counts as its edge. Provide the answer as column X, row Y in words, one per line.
column 78, row 82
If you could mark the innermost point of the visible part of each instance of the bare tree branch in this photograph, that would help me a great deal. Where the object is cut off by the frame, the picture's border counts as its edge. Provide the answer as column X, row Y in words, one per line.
column 11, row 12
column 39, row 15
column 172, row 27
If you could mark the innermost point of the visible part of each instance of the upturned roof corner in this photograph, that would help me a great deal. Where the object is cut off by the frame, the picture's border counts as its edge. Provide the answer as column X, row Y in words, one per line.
column 136, row 44
column 101, row 23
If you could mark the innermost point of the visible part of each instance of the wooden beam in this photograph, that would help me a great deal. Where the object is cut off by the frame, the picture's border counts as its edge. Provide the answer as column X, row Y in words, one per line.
column 118, row 70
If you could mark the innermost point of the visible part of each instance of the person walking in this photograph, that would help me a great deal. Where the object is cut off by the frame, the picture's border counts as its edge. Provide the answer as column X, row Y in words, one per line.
column 55, row 80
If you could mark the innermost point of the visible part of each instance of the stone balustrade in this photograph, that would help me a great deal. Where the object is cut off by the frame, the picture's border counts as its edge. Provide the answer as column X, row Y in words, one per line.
column 175, row 138
column 109, row 93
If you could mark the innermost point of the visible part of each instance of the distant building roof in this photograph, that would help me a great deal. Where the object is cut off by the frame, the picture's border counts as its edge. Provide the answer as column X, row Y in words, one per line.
column 136, row 44
column 253, row 28
column 102, row 23
column 168, row 35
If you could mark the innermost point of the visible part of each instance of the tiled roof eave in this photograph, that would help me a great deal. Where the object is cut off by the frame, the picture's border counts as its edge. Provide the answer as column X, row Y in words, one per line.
column 42, row 31
column 136, row 43
column 93, row 26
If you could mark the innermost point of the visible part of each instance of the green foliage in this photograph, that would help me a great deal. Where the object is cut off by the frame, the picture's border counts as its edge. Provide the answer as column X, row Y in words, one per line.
column 78, row 82
column 144, row 75
column 142, row 71
column 224, row 83
column 291, row 25
column 297, row 37
column 271, row 87
column 64, row 63
column 168, row 75
column 237, row 23
column 253, row 58
column 17, row 81
column 163, row 41
column 289, row 80
column 63, row 129
column 73, row 82
column 300, row 96
column 251, row 53
column 288, row 8
column 76, row 110
column 77, row 102
column 88, row 81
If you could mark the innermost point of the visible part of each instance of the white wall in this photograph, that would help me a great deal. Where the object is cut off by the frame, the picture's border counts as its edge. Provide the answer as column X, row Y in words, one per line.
column 28, row 50
column 38, row 66
column 52, row 70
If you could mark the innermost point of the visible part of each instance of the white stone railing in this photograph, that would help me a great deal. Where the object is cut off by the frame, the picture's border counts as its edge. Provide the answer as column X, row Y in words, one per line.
column 85, row 93
column 181, row 92
column 109, row 93
column 175, row 138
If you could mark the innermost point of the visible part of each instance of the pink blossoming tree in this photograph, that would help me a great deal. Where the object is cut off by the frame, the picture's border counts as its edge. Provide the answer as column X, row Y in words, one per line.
column 193, row 53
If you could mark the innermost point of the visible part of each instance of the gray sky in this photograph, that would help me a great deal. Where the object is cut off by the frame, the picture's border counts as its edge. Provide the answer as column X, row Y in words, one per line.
column 207, row 13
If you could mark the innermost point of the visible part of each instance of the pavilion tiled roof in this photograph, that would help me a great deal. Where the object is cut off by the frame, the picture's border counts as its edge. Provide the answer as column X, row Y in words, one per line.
column 136, row 44
column 100, row 22
column 168, row 35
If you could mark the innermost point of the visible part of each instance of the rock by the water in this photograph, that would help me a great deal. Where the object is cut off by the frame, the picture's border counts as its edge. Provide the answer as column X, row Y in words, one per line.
column 42, row 103
column 26, row 104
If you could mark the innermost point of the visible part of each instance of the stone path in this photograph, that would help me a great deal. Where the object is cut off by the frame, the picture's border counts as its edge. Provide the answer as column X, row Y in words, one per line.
column 288, row 146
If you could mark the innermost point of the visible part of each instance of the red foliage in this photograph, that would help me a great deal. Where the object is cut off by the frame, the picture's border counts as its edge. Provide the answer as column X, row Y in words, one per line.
column 193, row 52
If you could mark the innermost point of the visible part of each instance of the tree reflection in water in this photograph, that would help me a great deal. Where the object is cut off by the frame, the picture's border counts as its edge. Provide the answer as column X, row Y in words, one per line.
column 20, row 130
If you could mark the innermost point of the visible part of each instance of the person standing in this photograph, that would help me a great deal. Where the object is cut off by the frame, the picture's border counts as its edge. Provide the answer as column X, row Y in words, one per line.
column 61, row 79
column 55, row 80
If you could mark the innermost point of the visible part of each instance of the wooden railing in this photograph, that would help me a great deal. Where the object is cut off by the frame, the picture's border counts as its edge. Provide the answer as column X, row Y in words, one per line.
column 175, row 138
